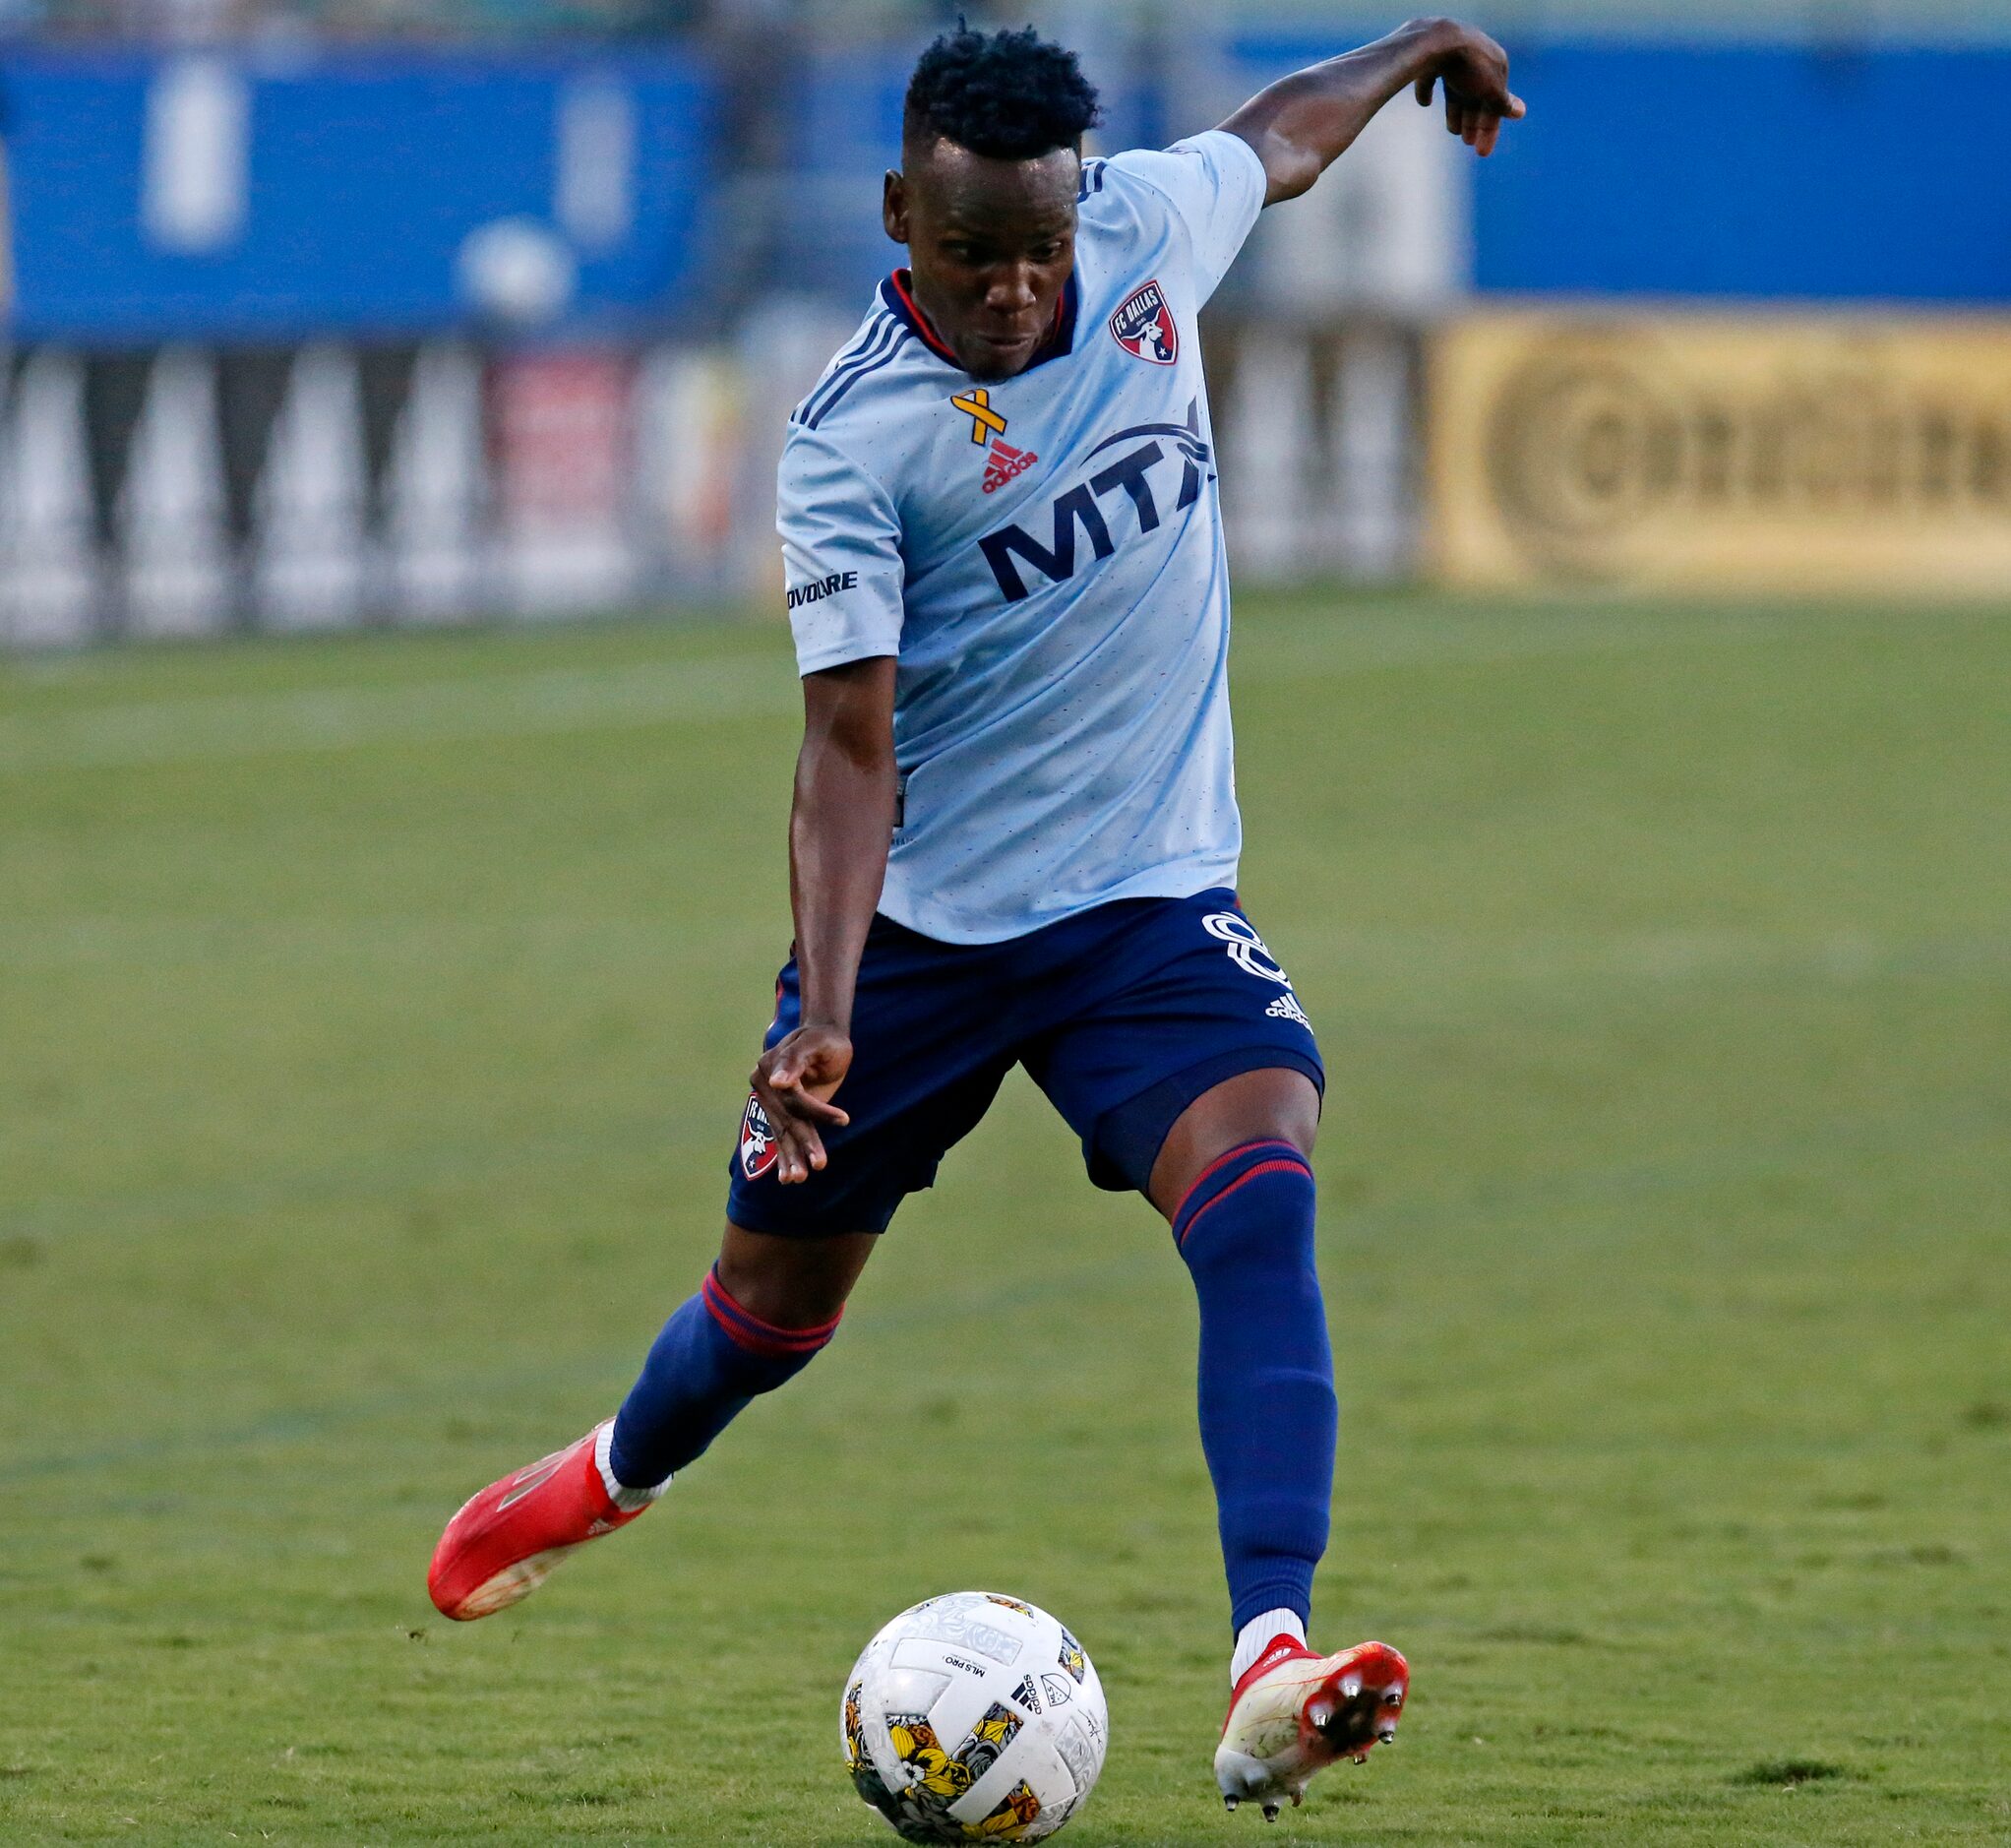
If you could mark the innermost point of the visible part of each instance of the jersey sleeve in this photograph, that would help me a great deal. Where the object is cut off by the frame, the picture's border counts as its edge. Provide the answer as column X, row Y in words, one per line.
column 1215, row 185
column 841, row 556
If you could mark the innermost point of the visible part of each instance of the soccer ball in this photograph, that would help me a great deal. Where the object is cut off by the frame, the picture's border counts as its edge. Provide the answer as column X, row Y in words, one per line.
column 974, row 1717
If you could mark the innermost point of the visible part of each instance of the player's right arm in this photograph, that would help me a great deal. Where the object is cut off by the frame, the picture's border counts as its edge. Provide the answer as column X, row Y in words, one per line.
column 842, row 560
column 839, row 827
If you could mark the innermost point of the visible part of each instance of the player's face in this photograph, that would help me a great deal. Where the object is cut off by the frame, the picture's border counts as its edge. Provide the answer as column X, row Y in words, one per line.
column 991, row 244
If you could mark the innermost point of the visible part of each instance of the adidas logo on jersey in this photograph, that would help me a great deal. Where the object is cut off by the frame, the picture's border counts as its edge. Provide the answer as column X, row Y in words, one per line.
column 1287, row 1008
column 1005, row 463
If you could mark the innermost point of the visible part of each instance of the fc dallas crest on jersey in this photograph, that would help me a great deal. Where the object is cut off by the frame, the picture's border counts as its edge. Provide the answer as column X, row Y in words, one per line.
column 1143, row 326
column 758, row 1147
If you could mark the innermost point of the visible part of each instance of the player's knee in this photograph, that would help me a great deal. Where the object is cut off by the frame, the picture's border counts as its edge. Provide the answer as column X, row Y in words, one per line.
column 790, row 1282
column 780, row 1302
column 1252, row 1208
column 1274, row 1103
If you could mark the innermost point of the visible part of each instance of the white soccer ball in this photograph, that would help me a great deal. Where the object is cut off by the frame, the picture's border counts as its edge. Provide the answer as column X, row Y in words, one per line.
column 974, row 1717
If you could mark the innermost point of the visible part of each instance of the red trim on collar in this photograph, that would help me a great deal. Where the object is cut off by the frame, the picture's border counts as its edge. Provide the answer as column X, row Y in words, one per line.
column 901, row 278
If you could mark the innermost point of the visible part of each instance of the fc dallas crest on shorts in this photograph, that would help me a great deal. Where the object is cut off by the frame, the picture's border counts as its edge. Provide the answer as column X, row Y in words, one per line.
column 758, row 1147
column 1143, row 326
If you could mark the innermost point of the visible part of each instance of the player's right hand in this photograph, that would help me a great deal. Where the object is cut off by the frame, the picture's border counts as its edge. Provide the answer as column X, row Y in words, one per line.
column 1473, row 72
column 794, row 1082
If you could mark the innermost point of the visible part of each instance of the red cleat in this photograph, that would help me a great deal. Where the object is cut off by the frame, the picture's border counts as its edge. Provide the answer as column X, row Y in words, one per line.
column 1295, row 1712
column 505, row 1541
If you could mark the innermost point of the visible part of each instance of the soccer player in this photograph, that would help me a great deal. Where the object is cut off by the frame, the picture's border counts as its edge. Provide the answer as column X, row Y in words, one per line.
column 1014, row 833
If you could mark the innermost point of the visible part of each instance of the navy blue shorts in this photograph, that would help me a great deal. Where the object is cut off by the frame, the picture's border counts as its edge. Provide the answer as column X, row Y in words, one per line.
column 1122, row 1016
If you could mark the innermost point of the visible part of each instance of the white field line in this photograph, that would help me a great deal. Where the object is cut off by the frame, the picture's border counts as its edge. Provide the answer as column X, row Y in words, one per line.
column 156, row 732
column 1383, row 959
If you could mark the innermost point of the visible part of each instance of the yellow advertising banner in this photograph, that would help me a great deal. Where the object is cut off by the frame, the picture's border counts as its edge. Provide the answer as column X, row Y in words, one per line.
column 1756, row 451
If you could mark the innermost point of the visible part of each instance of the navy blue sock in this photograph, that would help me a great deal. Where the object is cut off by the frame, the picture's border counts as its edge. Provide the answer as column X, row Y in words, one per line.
column 711, row 1358
column 1269, row 1414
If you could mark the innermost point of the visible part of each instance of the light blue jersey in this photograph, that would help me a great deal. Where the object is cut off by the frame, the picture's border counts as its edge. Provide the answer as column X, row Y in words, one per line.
column 1045, row 557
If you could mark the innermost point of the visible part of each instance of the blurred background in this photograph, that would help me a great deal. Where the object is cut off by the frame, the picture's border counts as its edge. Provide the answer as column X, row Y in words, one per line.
column 378, row 976
column 337, row 312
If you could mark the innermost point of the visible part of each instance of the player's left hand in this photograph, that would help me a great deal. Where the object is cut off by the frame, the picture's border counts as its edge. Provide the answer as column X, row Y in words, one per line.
column 1474, row 72
column 794, row 1080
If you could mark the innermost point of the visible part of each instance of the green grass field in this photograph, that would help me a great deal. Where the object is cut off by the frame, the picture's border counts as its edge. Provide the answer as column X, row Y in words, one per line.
column 374, row 1021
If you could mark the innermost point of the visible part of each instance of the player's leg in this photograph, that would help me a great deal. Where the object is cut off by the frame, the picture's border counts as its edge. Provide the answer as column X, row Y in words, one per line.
column 1191, row 1070
column 774, row 1300
column 922, row 1074
column 766, row 1309
column 1235, row 1184
column 1197, row 1083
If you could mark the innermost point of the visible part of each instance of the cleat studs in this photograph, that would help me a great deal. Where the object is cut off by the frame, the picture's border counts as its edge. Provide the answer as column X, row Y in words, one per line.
column 1351, row 1688
column 1319, row 1713
column 1271, row 1812
column 1360, row 1758
column 1392, row 1696
column 1387, row 1735
column 1230, row 1803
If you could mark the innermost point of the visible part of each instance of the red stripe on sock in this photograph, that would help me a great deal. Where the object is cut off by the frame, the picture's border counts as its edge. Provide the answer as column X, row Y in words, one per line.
column 1297, row 1165
column 746, row 1330
column 1222, row 1161
column 722, row 1303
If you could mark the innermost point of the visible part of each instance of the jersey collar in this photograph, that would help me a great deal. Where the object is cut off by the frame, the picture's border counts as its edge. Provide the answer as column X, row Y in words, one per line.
column 1060, row 341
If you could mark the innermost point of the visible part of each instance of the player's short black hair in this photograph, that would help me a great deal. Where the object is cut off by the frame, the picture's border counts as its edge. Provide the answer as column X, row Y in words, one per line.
column 1008, row 95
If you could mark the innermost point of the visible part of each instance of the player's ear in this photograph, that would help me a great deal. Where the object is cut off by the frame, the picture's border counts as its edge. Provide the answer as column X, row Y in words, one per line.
column 893, row 206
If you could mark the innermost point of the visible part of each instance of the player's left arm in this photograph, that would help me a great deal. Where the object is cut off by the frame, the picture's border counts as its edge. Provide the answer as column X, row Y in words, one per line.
column 1303, row 123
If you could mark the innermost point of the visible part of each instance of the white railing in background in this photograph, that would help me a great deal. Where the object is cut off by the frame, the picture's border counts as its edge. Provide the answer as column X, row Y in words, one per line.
column 570, row 481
